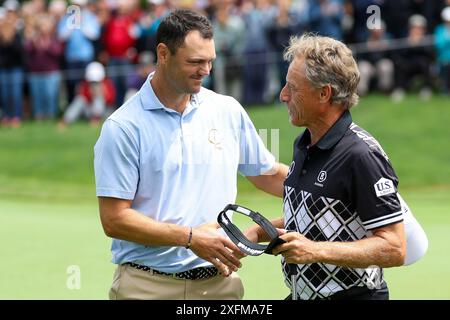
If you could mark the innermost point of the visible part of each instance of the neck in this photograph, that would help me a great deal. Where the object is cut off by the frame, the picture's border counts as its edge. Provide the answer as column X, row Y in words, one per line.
column 320, row 127
column 169, row 96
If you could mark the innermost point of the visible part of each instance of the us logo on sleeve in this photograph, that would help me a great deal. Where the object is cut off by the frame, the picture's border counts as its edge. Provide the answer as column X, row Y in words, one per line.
column 383, row 187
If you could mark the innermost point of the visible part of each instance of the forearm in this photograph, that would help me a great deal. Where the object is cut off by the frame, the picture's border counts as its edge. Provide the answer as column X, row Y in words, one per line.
column 272, row 181
column 133, row 226
column 257, row 234
column 359, row 254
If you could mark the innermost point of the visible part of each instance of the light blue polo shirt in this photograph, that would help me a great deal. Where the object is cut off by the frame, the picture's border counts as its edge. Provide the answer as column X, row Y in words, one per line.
column 177, row 168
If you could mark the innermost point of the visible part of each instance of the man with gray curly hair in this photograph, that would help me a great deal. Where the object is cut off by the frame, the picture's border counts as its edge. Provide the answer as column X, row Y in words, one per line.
column 327, row 62
column 343, row 217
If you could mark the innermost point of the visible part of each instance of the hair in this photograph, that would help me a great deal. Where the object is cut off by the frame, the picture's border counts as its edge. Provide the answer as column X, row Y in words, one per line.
column 173, row 29
column 327, row 62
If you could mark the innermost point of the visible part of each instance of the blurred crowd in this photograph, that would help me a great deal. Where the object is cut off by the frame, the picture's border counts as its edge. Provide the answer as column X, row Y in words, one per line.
column 84, row 58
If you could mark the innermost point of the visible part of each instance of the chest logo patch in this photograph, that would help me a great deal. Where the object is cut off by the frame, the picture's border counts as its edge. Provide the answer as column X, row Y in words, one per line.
column 322, row 176
column 383, row 187
column 215, row 138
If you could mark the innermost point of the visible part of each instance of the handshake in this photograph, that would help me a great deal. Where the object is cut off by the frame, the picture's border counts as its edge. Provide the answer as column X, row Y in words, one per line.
column 225, row 252
column 243, row 243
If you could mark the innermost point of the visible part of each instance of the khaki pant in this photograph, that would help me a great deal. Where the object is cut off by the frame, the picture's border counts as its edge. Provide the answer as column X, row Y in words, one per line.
column 132, row 283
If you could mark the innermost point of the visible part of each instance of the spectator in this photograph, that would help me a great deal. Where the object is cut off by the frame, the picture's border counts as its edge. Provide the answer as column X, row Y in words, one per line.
column 287, row 23
column 136, row 79
column 229, row 39
column 39, row 6
column 360, row 30
column 79, row 39
column 375, row 64
column 414, row 61
column 148, row 24
column 11, row 66
column 57, row 8
column 442, row 45
column 431, row 10
column 95, row 95
column 43, row 51
column 326, row 17
column 103, row 11
column 119, row 40
column 396, row 15
column 257, row 15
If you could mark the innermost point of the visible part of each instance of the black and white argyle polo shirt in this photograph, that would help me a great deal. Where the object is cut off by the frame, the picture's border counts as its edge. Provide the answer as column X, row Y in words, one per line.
column 338, row 190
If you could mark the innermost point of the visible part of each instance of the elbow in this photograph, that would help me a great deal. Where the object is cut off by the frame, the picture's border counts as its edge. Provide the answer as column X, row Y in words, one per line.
column 113, row 216
column 397, row 255
column 392, row 255
column 400, row 257
column 110, row 228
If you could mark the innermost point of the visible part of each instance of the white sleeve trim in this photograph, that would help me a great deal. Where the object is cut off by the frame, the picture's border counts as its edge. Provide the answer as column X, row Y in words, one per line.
column 385, row 220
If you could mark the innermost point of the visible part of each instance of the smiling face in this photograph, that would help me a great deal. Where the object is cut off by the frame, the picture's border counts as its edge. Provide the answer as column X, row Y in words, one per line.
column 301, row 99
column 185, row 69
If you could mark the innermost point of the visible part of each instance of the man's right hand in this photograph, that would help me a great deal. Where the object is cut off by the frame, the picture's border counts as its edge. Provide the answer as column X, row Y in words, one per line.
column 209, row 244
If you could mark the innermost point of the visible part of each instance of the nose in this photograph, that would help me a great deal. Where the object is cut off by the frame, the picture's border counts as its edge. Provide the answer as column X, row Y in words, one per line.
column 283, row 94
column 205, row 68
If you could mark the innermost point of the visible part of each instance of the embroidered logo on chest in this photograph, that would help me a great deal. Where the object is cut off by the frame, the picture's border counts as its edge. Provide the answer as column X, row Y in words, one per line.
column 215, row 138
column 321, row 178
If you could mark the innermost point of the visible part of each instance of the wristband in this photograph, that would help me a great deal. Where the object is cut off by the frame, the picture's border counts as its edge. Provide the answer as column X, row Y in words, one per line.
column 188, row 246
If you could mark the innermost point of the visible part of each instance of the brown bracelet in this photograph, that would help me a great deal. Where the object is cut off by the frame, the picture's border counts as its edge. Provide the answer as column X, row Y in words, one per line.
column 188, row 246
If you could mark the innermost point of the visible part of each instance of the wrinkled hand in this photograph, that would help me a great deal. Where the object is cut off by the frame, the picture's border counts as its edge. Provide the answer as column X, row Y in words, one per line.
column 252, row 234
column 209, row 244
column 297, row 249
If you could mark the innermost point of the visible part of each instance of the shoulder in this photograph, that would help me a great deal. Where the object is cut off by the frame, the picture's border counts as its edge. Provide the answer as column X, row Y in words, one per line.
column 208, row 95
column 220, row 102
column 364, row 145
column 128, row 116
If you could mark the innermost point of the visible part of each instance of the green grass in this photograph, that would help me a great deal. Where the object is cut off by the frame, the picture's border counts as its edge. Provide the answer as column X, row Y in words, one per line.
column 41, row 240
column 49, row 217
column 429, row 278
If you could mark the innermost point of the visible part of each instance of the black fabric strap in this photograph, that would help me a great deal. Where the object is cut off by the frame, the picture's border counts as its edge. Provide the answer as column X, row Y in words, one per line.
column 245, row 245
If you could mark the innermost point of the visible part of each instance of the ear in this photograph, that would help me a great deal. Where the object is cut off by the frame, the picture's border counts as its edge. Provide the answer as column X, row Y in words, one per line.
column 162, row 53
column 325, row 94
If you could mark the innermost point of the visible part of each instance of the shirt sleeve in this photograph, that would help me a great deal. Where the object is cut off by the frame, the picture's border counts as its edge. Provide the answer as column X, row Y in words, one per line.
column 375, row 191
column 254, row 158
column 116, row 159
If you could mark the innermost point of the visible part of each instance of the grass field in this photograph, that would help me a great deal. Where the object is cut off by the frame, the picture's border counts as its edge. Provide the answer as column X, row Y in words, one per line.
column 49, row 218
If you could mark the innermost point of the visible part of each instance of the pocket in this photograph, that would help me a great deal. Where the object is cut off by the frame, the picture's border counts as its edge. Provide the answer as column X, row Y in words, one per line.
column 238, row 286
column 114, row 290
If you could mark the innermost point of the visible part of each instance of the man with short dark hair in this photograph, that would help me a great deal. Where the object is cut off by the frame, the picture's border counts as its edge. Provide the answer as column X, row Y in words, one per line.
column 165, row 166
